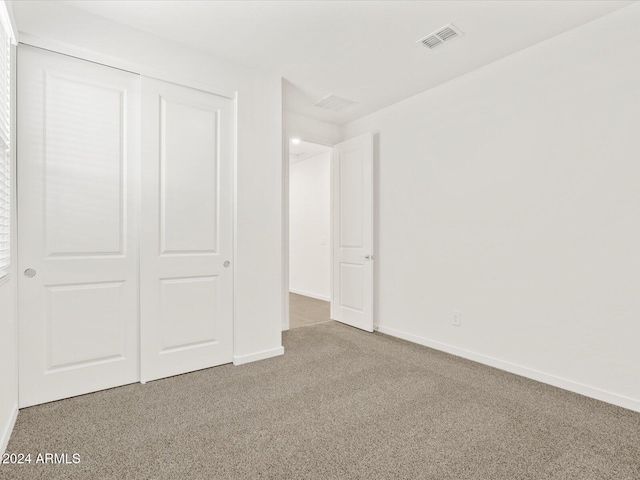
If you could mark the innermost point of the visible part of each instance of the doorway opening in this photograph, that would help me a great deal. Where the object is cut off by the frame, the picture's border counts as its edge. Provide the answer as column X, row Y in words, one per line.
column 309, row 296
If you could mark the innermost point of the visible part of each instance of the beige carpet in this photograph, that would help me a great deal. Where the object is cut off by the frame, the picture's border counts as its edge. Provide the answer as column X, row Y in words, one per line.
column 340, row 404
column 306, row 311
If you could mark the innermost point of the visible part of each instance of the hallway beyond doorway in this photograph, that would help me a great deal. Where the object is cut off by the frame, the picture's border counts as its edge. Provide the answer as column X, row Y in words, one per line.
column 305, row 311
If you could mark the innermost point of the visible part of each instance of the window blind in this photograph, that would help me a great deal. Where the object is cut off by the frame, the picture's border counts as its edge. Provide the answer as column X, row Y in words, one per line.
column 5, row 145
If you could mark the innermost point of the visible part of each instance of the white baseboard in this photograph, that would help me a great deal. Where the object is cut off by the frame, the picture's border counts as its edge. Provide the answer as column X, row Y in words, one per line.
column 8, row 428
column 254, row 357
column 309, row 294
column 575, row 387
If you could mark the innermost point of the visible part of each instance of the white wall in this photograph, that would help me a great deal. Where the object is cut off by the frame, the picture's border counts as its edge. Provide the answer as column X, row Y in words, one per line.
column 511, row 193
column 259, row 279
column 310, row 129
column 310, row 226
column 258, row 272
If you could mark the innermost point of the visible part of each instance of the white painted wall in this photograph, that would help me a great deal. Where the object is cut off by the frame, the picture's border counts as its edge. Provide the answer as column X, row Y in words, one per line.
column 8, row 317
column 511, row 193
column 259, row 276
column 310, row 129
column 310, row 226
column 258, row 272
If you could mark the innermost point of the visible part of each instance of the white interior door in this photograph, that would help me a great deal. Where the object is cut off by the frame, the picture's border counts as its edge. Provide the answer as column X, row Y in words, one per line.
column 186, row 277
column 78, row 198
column 352, row 183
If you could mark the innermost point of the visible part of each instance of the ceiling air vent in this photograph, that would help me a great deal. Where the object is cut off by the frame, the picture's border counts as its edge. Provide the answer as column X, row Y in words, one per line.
column 331, row 102
column 440, row 36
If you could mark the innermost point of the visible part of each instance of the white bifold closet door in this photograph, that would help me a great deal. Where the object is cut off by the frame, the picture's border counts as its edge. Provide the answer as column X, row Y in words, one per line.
column 186, row 279
column 78, row 204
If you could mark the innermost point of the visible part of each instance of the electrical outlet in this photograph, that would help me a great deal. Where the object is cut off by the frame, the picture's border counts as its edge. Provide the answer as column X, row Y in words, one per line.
column 457, row 318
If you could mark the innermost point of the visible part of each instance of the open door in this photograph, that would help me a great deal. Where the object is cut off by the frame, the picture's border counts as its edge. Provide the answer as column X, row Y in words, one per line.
column 352, row 185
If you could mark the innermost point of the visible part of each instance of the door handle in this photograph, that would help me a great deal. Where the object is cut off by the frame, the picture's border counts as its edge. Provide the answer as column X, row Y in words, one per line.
column 368, row 257
column 226, row 264
column 30, row 273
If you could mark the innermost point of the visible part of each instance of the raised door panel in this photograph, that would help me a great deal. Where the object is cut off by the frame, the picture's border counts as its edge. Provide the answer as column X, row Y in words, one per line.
column 189, row 163
column 351, row 198
column 84, row 166
column 351, row 279
column 188, row 312
column 85, row 325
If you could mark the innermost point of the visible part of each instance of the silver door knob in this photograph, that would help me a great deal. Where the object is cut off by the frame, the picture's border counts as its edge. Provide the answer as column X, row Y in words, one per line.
column 368, row 257
column 226, row 264
column 29, row 273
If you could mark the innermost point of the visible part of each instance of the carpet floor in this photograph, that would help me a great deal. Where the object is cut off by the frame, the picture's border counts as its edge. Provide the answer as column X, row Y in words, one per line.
column 305, row 311
column 340, row 404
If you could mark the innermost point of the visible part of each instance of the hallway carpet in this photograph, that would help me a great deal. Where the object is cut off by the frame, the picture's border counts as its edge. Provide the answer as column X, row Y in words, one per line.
column 305, row 311
column 340, row 404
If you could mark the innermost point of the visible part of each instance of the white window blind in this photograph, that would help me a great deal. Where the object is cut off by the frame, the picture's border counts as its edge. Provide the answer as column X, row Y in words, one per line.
column 5, row 145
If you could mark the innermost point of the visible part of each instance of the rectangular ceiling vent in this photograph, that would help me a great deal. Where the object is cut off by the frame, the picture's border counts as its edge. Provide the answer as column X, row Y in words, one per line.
column 331, row 102
column 440, row 36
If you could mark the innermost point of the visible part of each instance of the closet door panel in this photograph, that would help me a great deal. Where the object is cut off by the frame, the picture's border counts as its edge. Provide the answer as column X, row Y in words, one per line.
column 78, row 204
column 187, row 229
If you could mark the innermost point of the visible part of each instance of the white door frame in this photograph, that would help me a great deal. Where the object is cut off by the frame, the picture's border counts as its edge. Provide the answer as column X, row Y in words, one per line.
column 287, row 136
